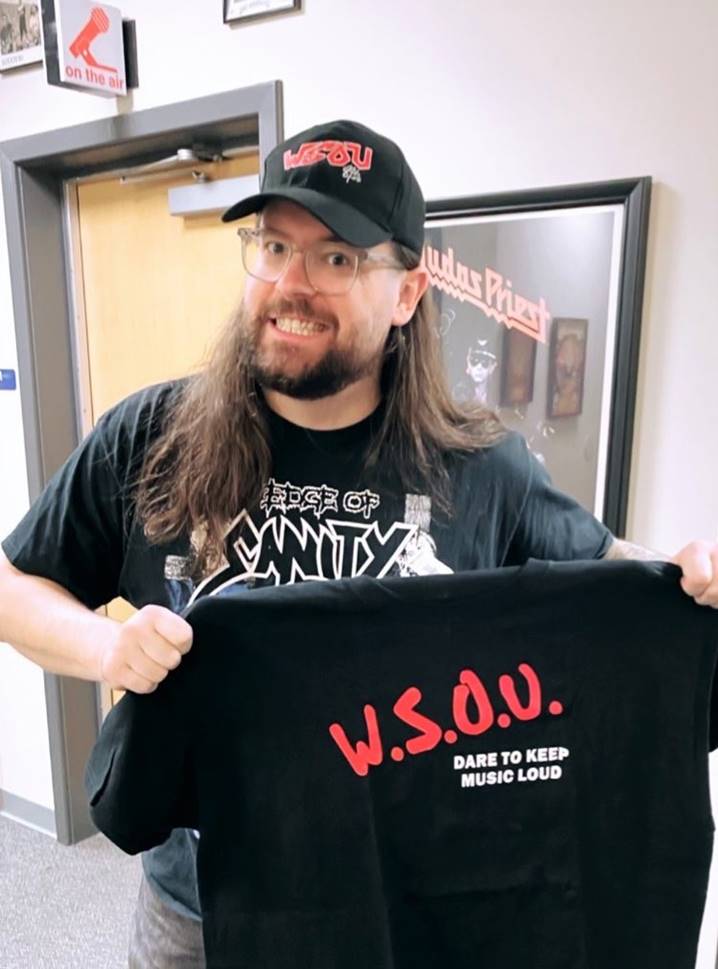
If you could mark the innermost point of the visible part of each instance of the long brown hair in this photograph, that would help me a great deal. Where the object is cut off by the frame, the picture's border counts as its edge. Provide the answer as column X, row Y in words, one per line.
column 213, row 456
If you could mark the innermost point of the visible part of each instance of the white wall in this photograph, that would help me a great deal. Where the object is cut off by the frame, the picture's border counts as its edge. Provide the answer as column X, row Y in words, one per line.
column 24, row 745
column 482, row 97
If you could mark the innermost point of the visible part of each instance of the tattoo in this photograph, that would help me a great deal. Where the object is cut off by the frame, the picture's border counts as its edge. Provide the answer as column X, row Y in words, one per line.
column 620, row 549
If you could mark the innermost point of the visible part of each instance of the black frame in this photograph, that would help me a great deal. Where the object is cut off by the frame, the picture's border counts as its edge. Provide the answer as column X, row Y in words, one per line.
column 634, row 194
column 296, row 5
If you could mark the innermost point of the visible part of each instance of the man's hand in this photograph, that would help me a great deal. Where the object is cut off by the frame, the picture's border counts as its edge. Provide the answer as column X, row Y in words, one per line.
column 145, row 648
column 699, row 563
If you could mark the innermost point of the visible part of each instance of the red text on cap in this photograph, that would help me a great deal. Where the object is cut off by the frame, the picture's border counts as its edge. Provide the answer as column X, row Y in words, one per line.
column 336, row 153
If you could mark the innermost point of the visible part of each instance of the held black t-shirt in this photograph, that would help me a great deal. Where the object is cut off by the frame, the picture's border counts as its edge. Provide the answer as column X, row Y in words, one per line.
column 320, row 516
column 503, row 769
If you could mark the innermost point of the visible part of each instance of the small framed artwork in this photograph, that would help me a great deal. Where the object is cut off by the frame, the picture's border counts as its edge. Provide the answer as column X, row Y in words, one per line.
column 518, row 365
column 243, row 11
column 567, row 368
column 20, row 34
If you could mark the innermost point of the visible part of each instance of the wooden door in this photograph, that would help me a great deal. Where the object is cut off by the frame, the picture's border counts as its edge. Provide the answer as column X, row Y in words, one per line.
column 153, row 289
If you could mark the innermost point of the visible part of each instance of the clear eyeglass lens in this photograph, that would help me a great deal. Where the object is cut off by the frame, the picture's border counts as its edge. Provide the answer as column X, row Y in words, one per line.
column 331, row 267
column 264, row 257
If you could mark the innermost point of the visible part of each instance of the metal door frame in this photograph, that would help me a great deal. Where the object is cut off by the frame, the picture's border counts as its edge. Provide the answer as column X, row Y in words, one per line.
column 34, row 170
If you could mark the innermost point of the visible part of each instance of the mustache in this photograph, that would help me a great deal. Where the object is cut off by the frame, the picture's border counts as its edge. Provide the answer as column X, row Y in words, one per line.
column 300, row 308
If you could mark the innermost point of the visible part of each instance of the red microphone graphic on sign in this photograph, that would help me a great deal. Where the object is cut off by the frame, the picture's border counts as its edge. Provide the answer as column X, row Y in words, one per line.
column 96, row 25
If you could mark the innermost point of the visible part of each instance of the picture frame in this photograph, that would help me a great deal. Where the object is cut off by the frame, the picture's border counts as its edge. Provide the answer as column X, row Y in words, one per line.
column 546, row 264
column 246, row 11
column 518, row 368
column 20, row 34
column 567, row 368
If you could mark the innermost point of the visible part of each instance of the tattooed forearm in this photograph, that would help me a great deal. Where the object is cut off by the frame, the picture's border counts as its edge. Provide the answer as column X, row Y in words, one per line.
column 621, row 549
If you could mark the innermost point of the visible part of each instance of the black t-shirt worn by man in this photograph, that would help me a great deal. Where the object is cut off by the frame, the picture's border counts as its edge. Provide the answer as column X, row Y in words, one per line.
column 500, row 769
column 320, row 517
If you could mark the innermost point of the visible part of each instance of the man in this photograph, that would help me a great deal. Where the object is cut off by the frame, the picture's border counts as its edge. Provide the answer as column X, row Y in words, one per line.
column 6, row 36
column 319, row 442
column 480, row 366
column 22, row 25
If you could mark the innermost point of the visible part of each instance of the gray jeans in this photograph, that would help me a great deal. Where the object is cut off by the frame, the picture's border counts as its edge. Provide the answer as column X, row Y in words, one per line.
column 162, row 938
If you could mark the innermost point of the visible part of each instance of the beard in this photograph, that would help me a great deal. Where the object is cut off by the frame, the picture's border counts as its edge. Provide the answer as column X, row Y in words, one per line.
column 337, row 369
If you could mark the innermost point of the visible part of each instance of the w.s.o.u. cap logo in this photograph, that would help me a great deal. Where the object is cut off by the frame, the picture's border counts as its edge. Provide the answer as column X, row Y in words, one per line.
column 336, row 153
column 354, row 180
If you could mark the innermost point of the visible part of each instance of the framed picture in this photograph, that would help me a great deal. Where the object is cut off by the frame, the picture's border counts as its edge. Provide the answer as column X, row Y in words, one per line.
column 518, row 366
column 20, row 34
column 246, row 10
column 539, row 298
column 566, row 368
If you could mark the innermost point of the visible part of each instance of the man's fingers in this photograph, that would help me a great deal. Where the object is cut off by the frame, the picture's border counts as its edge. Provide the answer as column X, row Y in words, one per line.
column 135, row 683
column 145, row 666
column 145, row 648
column 160, row 646
column 174, row 629
column 159, row 650
column 697, row 564
column 709, row 595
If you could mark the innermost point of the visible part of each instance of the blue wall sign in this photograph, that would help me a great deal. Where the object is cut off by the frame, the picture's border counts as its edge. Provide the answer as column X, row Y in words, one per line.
column 7, row 380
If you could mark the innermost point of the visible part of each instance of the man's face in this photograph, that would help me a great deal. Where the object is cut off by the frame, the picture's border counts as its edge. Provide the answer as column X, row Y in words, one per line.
column 480, row 364
column 342, row 338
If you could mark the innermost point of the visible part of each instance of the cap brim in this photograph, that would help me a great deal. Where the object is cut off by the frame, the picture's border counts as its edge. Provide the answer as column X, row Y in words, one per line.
column 346, row 222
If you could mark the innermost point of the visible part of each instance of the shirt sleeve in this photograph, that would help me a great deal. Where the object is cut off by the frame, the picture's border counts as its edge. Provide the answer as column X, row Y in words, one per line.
column 76, row 531
column 551, row 524
column 73, row 533
column 139, row 779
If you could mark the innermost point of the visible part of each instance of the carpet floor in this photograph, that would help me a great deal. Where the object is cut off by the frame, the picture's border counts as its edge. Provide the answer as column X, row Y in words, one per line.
column 63, row 908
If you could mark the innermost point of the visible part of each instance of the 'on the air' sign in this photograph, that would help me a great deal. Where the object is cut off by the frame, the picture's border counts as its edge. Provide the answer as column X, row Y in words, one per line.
column 84, row 46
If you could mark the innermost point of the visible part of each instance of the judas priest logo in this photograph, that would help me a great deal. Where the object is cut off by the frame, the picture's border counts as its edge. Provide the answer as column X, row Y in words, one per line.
column 335, row 153
column 489, row 291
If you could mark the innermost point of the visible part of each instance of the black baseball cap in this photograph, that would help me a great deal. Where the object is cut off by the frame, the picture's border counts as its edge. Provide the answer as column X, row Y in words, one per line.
column 352, row 179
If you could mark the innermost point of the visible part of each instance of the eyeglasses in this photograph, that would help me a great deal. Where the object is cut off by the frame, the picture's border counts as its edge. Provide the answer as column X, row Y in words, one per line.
column 331, row 267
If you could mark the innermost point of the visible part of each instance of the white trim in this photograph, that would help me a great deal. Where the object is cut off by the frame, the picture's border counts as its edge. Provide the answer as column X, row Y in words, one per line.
column 31, row 815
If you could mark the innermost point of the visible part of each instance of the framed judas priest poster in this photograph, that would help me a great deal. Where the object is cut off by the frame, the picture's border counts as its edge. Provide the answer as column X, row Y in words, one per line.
column 539, row 299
